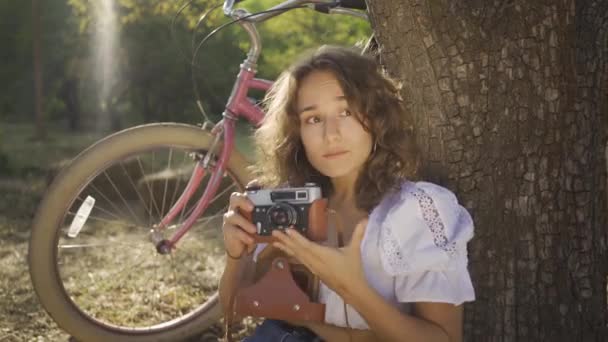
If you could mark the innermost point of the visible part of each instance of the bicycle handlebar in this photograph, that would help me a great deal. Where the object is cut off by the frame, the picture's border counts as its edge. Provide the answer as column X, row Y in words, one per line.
column 325, row 6
column 352, row 4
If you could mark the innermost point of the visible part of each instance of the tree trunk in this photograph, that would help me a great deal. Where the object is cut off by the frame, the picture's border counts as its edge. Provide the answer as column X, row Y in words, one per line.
column 37, row 59
column 69, row 95
column 510, row 99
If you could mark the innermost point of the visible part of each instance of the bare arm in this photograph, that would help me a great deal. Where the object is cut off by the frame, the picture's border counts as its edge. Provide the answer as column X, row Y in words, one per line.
column 430, row 322
column 237, row 274
column 440, row 322
column 435, row 321
column 332, row 333
column 238, row 242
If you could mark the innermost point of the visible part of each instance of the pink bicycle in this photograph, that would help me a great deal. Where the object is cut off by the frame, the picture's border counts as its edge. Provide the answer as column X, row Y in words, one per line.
column 109, row 256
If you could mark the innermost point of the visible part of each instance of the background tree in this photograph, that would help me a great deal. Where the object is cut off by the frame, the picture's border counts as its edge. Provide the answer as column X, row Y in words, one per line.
column 510, row 100
column 154, row 78
column 37, row 63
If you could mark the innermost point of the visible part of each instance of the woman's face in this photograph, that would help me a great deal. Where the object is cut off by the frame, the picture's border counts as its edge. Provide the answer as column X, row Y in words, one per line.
column 335, row 142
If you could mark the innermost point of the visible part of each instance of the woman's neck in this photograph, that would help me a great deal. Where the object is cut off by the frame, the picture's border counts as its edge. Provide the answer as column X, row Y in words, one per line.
column 344, row 194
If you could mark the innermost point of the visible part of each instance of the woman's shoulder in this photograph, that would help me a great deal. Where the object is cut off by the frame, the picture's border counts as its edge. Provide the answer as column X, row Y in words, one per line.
column 423, row 189
column 423, row 222
column 421, row 198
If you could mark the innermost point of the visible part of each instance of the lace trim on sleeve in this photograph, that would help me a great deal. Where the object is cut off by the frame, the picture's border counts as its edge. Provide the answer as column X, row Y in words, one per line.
column 431, row 216
column 395, row 259
column 392, row 251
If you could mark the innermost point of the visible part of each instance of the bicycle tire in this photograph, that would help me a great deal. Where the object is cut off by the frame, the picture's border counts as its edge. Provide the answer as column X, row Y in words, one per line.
column 61, row 196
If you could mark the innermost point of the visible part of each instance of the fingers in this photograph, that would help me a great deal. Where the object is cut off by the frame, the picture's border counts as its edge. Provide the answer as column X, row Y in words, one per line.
column 296, row 245
column 233, row 218
column 241, row 235
column 237, row 240
column 251, row 248
column 238, row 229
column 284, row 248
column 299, row 239
column 239, row 200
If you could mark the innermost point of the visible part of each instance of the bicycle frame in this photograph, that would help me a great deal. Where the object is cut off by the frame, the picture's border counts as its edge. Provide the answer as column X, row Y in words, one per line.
column 238, row 106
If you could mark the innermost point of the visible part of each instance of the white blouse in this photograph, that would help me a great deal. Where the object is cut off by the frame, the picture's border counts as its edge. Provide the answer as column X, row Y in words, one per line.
column 414, row 250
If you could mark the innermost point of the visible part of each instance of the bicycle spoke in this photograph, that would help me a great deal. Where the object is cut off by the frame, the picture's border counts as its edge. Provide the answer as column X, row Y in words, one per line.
column 143, row 202
column 183, row 210
column 166, row 184
column 107, row 200
column 99, row 219
column 223, row 192
column 113, row 256
column 211, row 201
column 120, row 195
column 75, row 246
column 179, row 182
column 143, row 174
column 98, row 207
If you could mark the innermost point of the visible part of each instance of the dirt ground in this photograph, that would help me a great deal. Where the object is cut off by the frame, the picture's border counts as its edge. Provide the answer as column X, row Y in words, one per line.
column 22, row 183
column 21, row 316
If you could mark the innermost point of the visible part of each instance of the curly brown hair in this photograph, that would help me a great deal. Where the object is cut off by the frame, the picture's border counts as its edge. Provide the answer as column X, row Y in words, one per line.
column 375, row 100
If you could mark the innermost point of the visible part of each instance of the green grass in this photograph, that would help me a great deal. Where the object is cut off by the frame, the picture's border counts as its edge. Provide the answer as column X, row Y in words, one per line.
column 26, row 154
column 26, row 167
column 22, row 154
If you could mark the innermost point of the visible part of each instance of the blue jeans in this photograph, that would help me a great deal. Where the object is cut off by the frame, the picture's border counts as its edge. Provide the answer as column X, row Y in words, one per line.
column 278, row 331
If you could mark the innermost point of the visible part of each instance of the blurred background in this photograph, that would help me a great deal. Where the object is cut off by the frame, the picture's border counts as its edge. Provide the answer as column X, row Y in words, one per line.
column 74, row 71
column 109, row 64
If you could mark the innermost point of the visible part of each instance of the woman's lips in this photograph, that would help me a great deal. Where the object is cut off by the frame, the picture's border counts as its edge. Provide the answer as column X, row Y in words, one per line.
column 334, row 154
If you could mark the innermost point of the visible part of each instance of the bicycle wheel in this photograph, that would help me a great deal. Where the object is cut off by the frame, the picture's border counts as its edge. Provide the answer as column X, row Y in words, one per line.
column 96, row 271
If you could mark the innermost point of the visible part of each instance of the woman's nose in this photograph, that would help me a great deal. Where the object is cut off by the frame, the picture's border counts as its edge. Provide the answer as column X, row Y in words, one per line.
column 332, row 128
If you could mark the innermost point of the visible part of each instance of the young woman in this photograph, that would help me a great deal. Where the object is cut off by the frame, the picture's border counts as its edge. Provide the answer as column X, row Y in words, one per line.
column 335, row 119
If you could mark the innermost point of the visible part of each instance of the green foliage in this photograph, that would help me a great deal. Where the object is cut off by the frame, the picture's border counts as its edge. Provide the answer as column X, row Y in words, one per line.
column 58, row 44
column 155, row 82
column 289, row 34
column 15, row 37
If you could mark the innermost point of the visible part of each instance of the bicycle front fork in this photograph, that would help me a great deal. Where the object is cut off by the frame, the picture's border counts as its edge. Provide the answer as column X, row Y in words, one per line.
column 225, row 128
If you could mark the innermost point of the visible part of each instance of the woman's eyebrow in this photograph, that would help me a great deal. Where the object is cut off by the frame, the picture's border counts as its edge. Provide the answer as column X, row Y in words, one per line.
column 313, row 107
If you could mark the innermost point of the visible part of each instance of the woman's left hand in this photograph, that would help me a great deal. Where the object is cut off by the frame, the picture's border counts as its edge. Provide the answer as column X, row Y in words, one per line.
column 338, row 268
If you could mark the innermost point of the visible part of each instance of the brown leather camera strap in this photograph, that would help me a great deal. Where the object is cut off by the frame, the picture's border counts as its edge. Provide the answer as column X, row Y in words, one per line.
column 340, row 237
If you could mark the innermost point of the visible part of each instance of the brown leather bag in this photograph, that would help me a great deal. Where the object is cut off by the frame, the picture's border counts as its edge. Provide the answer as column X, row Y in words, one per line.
column 277, row 295
column 282, row 289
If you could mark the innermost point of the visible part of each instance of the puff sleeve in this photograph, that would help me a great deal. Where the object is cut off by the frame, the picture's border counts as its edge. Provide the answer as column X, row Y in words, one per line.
column 423, row 245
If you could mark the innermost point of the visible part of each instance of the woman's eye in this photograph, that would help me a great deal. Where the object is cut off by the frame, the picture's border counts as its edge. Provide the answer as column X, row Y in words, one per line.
column 313, row 120
column 346, row 112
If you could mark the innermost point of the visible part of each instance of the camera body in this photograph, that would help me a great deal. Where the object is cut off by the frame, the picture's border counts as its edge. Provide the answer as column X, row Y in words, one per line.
column 304, row 208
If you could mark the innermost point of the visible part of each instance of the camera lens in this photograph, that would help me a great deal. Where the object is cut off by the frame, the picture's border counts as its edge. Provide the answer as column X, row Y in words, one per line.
column 279, row 217
column 282, row 214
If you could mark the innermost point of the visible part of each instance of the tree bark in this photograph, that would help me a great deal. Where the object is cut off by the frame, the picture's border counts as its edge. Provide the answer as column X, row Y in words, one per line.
column 510, row 100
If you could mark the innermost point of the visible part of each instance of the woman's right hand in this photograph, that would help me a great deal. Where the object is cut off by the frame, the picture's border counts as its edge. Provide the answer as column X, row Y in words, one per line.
column 237, row 229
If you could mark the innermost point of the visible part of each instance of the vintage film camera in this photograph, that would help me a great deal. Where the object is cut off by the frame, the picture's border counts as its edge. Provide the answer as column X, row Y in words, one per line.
column 304, row 208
